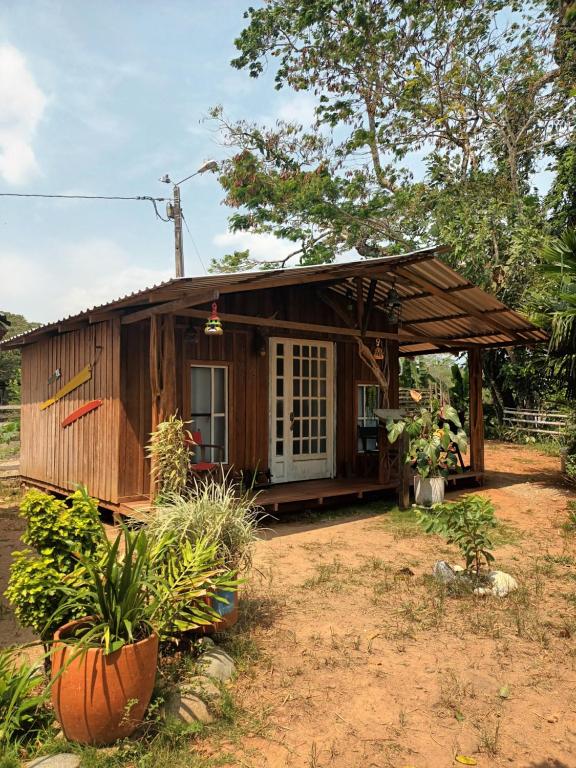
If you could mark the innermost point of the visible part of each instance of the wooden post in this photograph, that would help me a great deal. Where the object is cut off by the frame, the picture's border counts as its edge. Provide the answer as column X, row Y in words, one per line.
column 476, row 411
column 404, row 474
column 162, row 376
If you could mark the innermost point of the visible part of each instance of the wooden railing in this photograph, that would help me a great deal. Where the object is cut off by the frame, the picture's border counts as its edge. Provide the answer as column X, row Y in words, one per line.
column 9, row 413
column 543, row 423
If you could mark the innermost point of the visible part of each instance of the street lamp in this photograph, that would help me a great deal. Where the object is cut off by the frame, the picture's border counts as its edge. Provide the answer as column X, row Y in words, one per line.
column 174, row 211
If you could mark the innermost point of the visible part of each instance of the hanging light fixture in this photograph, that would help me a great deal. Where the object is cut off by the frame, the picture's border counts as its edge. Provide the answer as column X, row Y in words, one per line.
column 393, row 304
column 378, row 351
column 213, row 325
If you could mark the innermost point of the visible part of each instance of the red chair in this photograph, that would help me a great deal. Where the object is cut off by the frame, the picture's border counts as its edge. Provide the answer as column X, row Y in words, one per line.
column 203, row 466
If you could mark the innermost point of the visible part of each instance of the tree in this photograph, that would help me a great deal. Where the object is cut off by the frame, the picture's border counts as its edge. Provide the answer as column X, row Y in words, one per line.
column 560, row 265
column 10, row 359
column 480, row 90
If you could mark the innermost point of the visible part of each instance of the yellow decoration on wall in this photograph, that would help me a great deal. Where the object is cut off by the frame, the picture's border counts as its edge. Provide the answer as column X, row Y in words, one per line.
column 84, row 375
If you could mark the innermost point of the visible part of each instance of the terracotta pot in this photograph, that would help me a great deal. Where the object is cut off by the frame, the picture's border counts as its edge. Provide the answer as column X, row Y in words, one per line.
column 428, row 490
column 101, row 698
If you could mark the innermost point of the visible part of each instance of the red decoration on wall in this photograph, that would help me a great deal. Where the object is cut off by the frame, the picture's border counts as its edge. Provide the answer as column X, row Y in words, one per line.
column 82, row 411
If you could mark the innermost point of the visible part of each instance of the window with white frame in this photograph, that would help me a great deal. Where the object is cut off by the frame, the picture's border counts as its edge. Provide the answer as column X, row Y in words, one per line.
column 209, row 410
column 368, row 396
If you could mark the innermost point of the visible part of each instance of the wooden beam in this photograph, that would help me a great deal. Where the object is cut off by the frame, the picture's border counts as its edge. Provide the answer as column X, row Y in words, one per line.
column 369, row 304
column 332, row 330
column 95, row 317
column 172, row 307
column 67, row 327
column 455, row 299
column 334, row 301
column 476, row 411
column 359, row 281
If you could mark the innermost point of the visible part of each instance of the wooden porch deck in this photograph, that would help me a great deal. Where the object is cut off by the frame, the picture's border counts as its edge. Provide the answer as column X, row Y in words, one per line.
column 319, row 492
column 312, row 493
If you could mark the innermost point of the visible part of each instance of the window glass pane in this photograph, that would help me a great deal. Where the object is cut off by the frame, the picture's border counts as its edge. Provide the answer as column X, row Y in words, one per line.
column 201, row 385
column 314, row 368
column 280, row 366
column 313, row 446
column 305, row 351
column 296, row 429
column 296, row 408
column 305, row 368
column 322, row 407
column 323, row 368
column 314, row 351
column 219, row 390
column 279, row 428
column 279, row 349
column 296, row 447
column 201, row 424
column 296, row 351
column 280, row 387
column 322, row 427
column 296, row 367
column 322, row 445
column 219, row 438
column 305, row 446
column 314, row 427
column 314, row 405
column 323, row 352
column 279, row 448
column 279, row 408
column 305, row 387
column 306, row 408
column 305, row 428
column 322, row 387
column 296, row 387
column 314, row 384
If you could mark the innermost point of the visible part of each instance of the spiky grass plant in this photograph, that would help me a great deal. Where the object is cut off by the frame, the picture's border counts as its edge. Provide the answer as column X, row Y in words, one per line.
column 169, row 450
column 216, row 512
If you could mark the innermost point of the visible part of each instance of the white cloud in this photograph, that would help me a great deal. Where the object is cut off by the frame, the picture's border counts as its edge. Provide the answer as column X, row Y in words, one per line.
column 89, row 273
column 262, row 247
column 22, row 105
column 298, row 109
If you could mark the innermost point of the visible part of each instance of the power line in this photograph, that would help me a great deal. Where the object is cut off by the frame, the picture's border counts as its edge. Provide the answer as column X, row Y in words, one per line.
column 85, row 197
column 146, row 198
column 194, row 244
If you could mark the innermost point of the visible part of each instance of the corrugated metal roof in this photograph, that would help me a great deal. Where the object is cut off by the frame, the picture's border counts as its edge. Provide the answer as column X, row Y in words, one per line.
column 436, row 299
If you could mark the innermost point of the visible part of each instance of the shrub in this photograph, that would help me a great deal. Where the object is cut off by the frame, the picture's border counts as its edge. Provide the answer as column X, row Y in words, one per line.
column 57, row 533
column 216, row 512
column 169, row 451
column 466, row 523
column 21, row 706
column 571, row 467
column 137, row 586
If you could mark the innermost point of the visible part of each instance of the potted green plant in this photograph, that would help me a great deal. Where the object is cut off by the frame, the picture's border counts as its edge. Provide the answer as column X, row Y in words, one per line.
column 135, row 594
column 220, row 514
column 432, row 433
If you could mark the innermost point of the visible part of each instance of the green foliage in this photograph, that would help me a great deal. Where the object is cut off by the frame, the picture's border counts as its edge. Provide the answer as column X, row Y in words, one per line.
column 10, row 360
column 21, row 705
column 215, row 512
column 559, row 263
column 169, row 451
column 137, row 587
column 466, row 523
column 57, row 532
column 430, row 435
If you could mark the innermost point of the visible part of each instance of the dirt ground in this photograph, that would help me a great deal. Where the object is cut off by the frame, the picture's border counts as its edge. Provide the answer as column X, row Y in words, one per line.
column 365, row 662
column 365, row 665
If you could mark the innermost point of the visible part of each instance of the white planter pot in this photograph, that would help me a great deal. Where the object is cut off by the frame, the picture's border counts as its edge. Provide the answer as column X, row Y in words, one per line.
column 428, row 490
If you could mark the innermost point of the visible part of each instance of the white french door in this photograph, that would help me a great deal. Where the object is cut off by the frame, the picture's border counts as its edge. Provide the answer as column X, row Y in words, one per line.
column 302, row 415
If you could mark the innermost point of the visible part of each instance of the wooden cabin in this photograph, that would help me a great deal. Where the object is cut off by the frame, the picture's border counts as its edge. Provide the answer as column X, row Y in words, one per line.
column 287, row 391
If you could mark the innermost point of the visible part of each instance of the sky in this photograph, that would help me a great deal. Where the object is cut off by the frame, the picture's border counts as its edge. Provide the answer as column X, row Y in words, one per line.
column 105, row 98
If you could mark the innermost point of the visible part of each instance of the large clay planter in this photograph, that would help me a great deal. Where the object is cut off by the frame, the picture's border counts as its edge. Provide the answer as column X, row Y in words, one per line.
column 101, row 698
column 428, row 490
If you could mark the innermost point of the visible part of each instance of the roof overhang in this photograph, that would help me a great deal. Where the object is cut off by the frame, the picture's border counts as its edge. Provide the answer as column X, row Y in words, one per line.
column 441, row 310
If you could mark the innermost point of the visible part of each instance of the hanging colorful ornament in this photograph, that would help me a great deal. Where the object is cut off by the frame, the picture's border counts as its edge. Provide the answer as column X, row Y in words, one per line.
column 378, row 351
column 82, row 411
column 213, row 325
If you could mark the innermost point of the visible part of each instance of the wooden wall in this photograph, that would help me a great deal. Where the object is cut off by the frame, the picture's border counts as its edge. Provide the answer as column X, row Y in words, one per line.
column 87, row 450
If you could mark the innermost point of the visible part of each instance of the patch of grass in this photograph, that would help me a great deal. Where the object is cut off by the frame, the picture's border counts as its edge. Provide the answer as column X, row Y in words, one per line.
column 402, row 523
column 327, row 577
column 569, row 525
column 503, row 534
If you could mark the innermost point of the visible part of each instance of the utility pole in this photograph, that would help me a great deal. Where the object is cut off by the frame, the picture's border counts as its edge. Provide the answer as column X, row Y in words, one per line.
column 174, row 212
column 178, row 244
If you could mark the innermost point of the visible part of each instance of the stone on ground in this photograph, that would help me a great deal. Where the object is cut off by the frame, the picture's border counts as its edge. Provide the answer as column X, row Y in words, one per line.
column 217, row 664
column 502, row 583
column 201, row 686
column 187, row 708
column 62, row 760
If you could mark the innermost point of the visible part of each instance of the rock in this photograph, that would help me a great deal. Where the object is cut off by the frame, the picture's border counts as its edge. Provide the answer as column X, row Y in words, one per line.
column 201, row 686
column 62, row 760
column 552, row 719
column 443, row 572
column 217, row 664
column 206, row 644
column 187, row 708
column 502, row 583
